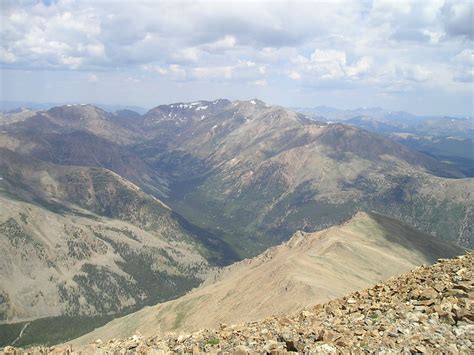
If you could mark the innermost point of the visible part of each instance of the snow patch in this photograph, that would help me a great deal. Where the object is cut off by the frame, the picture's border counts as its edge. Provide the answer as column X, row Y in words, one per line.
column 253, row 102
column 201, row 108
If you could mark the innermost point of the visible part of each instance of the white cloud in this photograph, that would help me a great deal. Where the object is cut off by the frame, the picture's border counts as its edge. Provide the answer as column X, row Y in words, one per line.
column 294, row 75
column 262, row 82
column 224, row 72
column 464, row 66
column 92, row 78
column 7, row 56
column 225, row 43
column 329, row 65
column 368, row 45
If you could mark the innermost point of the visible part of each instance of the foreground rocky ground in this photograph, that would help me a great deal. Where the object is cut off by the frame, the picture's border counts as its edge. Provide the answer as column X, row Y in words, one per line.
column 429, row 309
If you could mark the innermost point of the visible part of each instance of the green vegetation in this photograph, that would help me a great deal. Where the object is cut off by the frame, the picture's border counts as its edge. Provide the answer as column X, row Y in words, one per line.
column 15, row 234
column 51, row 330
column 9, row 332
column 374, row 316
column 213, row 341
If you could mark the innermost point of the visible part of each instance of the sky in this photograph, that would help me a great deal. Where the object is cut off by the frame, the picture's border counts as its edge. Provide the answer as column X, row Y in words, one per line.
column 416, row 56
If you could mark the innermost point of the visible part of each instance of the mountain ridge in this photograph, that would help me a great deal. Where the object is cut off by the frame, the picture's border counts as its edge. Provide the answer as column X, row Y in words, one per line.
column 309, row 268
column 424, row 310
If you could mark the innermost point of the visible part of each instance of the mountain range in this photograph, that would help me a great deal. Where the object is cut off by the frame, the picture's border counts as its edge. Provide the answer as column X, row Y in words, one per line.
column 106, row 212
column 449, row 139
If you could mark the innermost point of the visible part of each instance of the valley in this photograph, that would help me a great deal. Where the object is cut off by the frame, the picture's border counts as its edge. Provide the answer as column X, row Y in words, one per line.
column 245, row 177
column 118, row 211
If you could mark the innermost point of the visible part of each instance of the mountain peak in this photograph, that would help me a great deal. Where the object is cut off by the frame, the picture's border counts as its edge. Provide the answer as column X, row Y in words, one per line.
column 253, row 102
column 77, row 111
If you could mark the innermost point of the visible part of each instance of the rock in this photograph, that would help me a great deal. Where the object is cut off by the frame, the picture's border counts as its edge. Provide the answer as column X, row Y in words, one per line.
column 325, row 349
column 456, row 293
column 428, row 310
column 428, row 294
column 351, row 301
column 242, row 350
column 131, row 345
column 328, row 336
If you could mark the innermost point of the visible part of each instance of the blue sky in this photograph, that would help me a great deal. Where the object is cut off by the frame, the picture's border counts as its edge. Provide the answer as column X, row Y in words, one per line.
column 416, row 56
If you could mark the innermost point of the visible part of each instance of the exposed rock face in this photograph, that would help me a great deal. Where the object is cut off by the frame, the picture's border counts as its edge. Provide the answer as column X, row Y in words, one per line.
column 428, row 309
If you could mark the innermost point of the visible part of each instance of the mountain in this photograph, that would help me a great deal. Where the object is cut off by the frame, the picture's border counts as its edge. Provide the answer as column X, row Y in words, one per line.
column 70, row 234
column 310, row 268
column 17, row 115
column 423, row 311
column 373, row 113
column 209, row 182
column 453, row 150
column 255, row 174
column 448, row 139
column 379, row 120
column 14, row 105
column 82, row 148
column 70, row 118
column 56, row 264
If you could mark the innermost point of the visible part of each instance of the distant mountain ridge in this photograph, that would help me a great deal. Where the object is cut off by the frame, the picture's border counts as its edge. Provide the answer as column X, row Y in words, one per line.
column 382, row 121
column 36, row 106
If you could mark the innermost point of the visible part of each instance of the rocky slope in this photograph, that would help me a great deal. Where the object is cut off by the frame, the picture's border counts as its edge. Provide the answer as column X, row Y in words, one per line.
column 426, row 310
column 309, row 268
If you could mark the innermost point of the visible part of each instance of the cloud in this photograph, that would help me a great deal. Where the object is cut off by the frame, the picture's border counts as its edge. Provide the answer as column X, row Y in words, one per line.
column 416, row 73
column 372, row 46
column 294, row 75
column 92, row 78
column 410, row 34
column 458, row 17
column 464, row 66
column 329, row 64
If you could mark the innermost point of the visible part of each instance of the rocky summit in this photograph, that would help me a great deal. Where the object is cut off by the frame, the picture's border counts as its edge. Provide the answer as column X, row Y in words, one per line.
column 429, row 309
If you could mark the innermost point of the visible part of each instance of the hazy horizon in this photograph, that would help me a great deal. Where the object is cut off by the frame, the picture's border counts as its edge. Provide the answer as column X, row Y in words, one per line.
column 12, row 105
